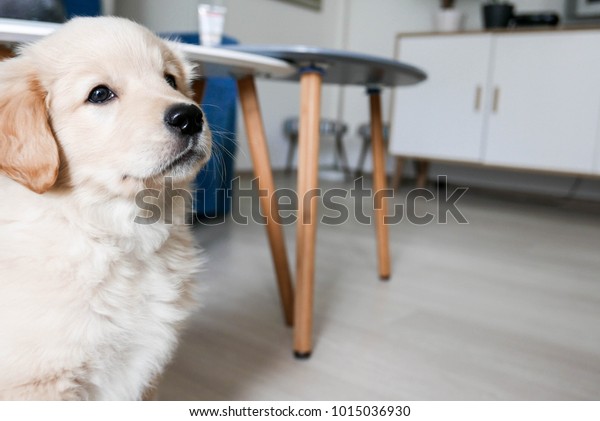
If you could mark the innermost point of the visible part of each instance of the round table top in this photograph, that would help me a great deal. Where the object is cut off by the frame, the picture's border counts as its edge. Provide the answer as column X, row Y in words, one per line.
column 223, row 62
column 18, row 31
column 211, row 61
column 340, row 67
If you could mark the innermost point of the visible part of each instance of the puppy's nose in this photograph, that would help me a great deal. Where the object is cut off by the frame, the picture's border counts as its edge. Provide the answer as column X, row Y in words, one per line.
column 184, row 118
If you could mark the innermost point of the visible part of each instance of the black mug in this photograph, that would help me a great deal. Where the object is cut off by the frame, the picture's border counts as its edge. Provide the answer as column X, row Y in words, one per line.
column 497, row 15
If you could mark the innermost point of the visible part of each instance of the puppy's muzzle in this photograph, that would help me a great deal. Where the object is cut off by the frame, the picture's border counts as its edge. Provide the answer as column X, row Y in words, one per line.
column 184, row 119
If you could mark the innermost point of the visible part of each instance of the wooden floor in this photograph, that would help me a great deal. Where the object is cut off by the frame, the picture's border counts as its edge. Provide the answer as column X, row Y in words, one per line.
column 506, row 307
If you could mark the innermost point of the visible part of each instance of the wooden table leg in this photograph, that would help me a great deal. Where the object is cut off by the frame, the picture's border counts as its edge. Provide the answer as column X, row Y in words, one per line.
column 422, row 173
column 198, row 88
column 262, row 171
column 308, row 172
column 379, row 184
column 398, row 172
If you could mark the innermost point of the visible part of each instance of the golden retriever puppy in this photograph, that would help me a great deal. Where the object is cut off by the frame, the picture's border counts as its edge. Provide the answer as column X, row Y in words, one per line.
column 91, row 299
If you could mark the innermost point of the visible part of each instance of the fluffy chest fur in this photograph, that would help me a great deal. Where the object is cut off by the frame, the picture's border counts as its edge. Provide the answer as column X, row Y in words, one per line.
column 90, row 302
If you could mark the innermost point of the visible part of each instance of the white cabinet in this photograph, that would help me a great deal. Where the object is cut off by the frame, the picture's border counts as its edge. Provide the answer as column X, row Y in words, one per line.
column 443, row 116
column 547, row 107
column 539, row 105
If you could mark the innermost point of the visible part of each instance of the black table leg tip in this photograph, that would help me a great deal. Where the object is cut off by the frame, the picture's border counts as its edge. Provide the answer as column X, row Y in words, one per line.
column 302, row 355
column 385, row 277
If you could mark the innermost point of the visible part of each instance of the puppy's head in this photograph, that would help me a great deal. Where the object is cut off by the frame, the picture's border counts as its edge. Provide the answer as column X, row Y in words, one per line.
column 102, row 103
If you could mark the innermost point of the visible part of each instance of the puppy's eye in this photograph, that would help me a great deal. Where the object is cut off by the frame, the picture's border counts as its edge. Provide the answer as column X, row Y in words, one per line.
column 171, row 81
column 100, row 94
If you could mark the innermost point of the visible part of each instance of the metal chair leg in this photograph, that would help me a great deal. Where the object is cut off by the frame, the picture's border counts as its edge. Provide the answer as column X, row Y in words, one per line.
column 291, row 154
column 341, row 152
column 363, row 156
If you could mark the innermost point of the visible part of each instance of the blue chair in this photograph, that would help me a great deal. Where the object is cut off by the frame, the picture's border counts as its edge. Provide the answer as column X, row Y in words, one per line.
column 82, row 7
column 213, row 185
column 214, row 182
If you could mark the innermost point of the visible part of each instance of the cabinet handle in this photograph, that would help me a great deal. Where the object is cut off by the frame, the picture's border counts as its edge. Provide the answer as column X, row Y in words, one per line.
column 496, row 100
column 478, row 92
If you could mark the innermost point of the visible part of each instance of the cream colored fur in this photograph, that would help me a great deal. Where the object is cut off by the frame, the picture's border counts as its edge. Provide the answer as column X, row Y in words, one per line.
column 90, row 301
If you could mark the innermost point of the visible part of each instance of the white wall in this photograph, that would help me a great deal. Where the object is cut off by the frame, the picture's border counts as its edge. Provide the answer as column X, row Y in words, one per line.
column 160, row 15
column 391, row 17
column 368, row 26
column 400, row 16
column 274, row 22
column 396, row 16
column 257, row 22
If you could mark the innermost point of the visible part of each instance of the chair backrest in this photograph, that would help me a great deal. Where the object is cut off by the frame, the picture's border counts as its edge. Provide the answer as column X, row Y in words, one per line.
column 364, row 131
column 82, row 8
column 45, row 11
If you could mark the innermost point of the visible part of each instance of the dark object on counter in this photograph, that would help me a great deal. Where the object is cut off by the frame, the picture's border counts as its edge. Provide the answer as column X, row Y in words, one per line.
column 536, row 19
column 41, row 10
column 497, row 15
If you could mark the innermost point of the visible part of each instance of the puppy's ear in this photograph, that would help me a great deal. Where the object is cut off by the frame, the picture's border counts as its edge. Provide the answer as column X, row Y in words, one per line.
column 28, row 149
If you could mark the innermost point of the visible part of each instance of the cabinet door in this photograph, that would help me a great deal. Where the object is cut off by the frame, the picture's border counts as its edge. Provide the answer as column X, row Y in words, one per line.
column 547, row 101
column 442, row 117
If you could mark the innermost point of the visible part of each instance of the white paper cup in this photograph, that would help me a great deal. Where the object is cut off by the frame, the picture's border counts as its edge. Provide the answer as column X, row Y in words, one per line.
column 212, row 21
